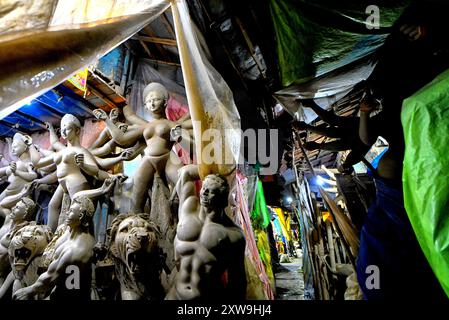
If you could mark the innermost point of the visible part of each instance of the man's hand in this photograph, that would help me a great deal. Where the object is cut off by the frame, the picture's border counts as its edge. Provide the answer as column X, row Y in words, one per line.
column 23, row 293
column 108, row 184
column 79, row 159
column 299, row 125
column 412, row 32
column 311, row 145
column 126, row 154
column 100, row 114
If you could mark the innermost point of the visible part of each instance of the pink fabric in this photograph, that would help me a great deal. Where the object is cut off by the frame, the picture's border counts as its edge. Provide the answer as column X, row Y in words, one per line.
column 243, row 219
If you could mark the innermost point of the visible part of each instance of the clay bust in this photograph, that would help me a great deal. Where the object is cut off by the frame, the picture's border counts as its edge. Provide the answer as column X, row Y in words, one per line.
column 19, row 172
column 137, row 256
column 158, row 158
column 208, row 244
column 73, row 162
column 73, row 253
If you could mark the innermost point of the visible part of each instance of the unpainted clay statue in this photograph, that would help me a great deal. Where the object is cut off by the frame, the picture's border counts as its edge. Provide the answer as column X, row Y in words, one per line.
column 19, row 172
column 134, row 247
column 208, row 244
column 158, row 158
column 25, row 254
column 21, row 215
column 73, row 254
column 73, row 163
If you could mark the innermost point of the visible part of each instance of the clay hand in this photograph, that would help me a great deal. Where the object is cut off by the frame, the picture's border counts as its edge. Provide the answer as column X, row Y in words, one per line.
column 367, row 104
column 35, row 183
column 120, row 178
column 123, row 127
column 100, row 114
column 176, row 134
column 79, row 159
column 49, row 126
column 28, row 187
column 23, row 294
column 108, row 184
column 114, row 114
column 13, row 167
column 126, row 154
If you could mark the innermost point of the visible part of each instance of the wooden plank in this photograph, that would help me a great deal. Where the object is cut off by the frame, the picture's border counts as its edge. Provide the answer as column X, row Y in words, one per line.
column 168, row 42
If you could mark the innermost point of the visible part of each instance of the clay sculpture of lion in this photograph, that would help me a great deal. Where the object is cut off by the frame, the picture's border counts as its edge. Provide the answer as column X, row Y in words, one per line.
column 25, row 251
column 134, row 247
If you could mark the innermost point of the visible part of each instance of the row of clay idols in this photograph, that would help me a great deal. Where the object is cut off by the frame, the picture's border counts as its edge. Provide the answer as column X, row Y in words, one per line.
column 200, row 232
column 75, row 168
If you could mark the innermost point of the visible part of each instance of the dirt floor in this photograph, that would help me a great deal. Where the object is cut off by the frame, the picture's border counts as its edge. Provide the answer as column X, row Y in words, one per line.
column 290, row 281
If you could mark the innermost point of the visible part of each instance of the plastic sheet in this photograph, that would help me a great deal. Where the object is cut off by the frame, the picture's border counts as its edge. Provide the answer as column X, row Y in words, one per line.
column 425, row 175
column 260, row 214
column 38, row 55
column 145, row 74
column 210, row 100
column 324, row 90
column 316, row 37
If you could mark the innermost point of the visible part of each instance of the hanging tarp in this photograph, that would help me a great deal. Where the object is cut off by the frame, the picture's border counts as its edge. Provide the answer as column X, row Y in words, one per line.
column 316, row 37
column 259, row 285
column 425, row 121
column 211, row 101
column 44, row 42
column 283, row 223
column 260, row 214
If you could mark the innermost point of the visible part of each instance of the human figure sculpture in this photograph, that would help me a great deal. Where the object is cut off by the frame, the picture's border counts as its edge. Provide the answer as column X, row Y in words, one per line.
column 134, row 247
column 208, row 244
column 19, row 172
column 158, row 158
column 73, row 163
column 344, row 129
column 105, row 144
column 73, row 254
column 21, row 215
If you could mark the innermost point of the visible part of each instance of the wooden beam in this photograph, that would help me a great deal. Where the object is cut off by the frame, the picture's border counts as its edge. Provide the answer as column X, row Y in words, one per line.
column 146, row 49
column 161, row 49
column 168, row 42
column 165, row 62
column 102, row 96
column 168, row 25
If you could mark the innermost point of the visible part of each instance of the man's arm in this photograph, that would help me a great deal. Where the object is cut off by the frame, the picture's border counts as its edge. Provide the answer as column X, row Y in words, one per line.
column 92, row 194
column 47, row 280
column 325, row 115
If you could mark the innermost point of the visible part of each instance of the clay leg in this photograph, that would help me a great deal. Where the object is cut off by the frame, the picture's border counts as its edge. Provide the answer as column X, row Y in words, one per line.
column 54, row 208
column 143, row 178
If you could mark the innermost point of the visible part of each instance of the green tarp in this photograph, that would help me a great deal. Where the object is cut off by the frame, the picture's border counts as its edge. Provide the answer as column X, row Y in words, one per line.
column 260, row 216
column 314, row 37
column 425, row 120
